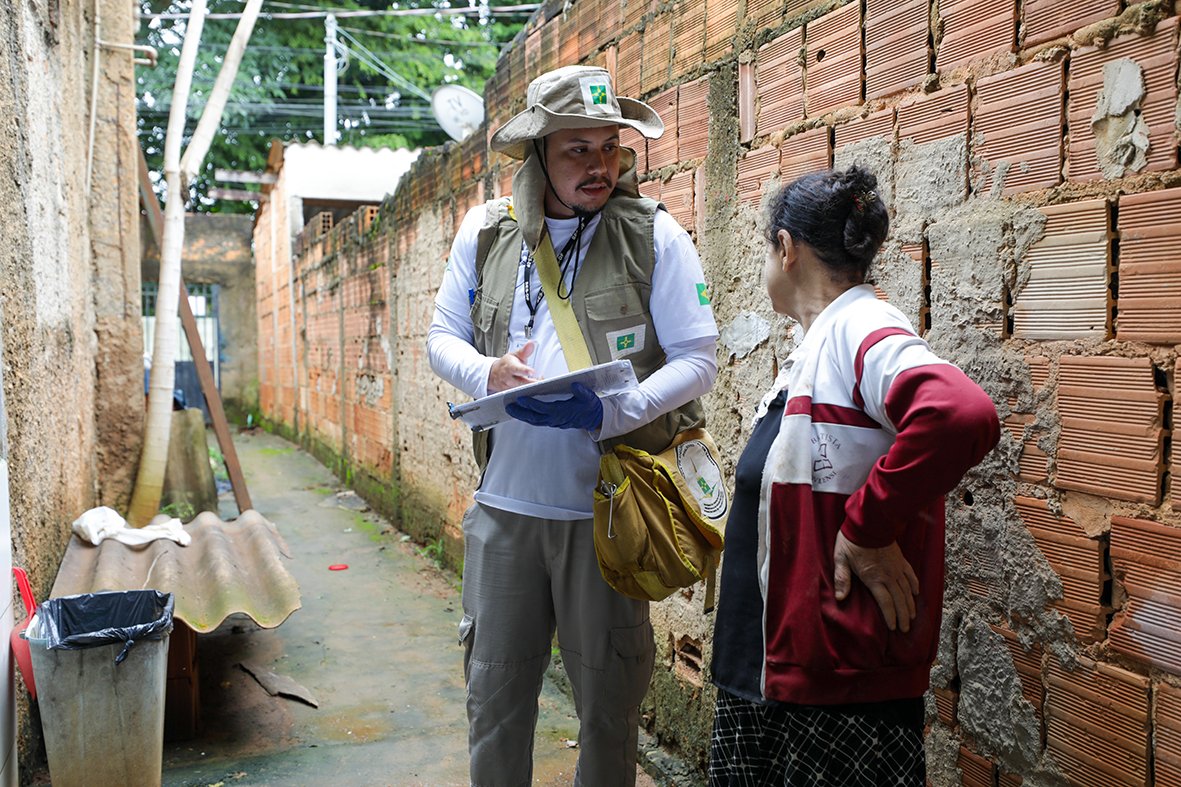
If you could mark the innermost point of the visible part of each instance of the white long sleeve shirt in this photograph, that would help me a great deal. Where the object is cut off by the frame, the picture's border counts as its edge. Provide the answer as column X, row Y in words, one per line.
column 551, row 473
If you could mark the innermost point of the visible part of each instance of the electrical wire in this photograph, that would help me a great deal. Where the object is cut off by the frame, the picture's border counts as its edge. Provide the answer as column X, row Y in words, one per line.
column 362, row 53
column 417, row 40
column 507, row 10
column 215, row 50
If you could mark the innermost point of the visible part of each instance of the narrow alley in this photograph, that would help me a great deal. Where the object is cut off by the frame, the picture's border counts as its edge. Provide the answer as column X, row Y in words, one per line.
column 374, row 644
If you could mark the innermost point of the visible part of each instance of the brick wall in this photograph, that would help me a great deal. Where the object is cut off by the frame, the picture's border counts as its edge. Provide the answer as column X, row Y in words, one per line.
column 1028, row 152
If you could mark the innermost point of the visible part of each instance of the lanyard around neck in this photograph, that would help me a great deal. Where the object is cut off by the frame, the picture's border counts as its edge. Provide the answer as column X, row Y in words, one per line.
column 561, row 312
column 569, row 253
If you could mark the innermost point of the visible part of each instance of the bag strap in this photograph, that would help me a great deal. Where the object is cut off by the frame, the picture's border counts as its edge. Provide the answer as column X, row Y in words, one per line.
column 711, row 586
column 561, row 312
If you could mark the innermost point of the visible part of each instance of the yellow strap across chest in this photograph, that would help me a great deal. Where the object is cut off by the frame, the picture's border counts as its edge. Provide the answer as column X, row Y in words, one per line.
column 565, row 323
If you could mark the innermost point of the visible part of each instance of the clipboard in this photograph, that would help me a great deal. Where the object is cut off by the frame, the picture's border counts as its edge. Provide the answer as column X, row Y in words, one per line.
column 605, row 379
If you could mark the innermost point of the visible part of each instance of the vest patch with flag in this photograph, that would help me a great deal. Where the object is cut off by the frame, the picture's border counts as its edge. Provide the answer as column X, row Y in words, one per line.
column 596, row 95
column 625, row 342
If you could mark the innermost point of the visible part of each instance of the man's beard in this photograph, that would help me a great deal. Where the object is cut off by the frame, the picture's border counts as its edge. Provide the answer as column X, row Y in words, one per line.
column 584, row 211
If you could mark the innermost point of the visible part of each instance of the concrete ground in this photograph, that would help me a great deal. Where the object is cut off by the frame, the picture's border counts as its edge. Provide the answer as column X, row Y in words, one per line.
column 375, row 644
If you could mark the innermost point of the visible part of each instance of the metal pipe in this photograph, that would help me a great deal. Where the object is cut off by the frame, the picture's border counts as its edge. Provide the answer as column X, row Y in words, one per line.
column 148, row 59
column 93, row 96
column 149, row 53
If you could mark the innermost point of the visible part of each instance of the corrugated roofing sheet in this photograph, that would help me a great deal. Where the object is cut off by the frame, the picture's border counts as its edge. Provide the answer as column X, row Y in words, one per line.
column 229, row 567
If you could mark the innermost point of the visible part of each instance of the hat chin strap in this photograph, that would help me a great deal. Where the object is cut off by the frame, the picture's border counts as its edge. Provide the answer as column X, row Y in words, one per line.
column 568, row 258
column 584, row 216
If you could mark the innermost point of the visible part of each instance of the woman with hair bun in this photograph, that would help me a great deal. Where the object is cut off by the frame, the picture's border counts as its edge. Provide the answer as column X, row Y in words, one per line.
column 832, row 583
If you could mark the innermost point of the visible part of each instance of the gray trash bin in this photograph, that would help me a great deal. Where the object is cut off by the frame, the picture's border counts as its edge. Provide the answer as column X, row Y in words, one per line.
column 101, row 663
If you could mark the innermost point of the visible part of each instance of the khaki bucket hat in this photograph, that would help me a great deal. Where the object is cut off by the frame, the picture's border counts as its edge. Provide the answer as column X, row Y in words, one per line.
column 573, row 97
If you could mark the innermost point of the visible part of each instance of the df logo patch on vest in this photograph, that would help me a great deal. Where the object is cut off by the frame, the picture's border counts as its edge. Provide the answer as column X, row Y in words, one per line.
column 626, row 342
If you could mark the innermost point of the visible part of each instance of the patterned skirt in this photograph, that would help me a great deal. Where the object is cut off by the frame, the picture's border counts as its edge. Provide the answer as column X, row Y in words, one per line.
column 806, row 746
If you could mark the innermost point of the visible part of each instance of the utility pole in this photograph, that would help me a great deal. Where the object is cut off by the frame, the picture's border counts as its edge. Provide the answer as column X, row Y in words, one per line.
column 330, row 134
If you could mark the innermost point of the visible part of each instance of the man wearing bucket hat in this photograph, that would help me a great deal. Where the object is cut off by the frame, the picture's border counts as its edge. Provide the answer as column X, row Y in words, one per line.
column 632, row 278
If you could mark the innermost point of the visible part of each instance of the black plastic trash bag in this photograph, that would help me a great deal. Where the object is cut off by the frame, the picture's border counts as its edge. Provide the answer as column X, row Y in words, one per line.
column 92, row 619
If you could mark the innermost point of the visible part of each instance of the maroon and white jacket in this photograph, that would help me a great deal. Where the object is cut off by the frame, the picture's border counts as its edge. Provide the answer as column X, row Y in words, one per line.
column 876, row 430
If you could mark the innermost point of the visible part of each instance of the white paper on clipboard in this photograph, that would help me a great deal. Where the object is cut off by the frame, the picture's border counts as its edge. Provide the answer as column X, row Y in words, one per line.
column 604, row 379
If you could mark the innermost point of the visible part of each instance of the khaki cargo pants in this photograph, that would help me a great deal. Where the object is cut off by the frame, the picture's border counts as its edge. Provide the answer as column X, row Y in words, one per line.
column 522, row 578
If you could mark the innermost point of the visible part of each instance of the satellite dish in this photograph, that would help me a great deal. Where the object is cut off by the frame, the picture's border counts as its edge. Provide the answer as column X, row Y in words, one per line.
column 458, row 110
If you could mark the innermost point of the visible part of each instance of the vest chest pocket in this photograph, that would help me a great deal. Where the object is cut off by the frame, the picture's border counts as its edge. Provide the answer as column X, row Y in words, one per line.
column 620, row 322
column 483, row 312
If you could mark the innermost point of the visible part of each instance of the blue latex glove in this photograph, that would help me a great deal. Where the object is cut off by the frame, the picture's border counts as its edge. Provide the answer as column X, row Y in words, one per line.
column 582, row 410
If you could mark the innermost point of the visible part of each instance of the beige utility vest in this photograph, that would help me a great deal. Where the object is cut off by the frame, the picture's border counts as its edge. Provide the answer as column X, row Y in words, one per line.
column 610, row 296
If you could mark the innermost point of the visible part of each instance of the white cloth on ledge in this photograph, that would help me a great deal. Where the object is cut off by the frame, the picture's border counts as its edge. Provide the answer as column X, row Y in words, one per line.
column 103, row 522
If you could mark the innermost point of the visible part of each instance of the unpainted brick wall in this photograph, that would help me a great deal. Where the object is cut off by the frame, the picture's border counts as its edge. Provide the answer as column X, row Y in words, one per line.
column 1028, row 152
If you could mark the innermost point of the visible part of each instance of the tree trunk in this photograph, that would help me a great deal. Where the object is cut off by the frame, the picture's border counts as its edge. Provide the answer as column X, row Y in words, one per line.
column 149, row 480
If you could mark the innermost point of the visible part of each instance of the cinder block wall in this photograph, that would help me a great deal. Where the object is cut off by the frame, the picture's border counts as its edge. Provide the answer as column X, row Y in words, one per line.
column 1028, row 150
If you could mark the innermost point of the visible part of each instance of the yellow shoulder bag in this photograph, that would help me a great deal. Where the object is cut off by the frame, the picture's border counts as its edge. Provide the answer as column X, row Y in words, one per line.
column 659, row 518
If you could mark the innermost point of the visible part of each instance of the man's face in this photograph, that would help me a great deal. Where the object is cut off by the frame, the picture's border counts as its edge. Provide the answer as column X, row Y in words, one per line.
column 583, row 166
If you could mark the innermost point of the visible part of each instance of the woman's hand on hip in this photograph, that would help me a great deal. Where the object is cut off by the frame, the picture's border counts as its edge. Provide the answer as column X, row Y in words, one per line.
column 885, row 572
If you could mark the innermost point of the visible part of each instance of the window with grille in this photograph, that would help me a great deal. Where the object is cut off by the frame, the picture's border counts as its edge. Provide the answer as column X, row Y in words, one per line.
column 203, row 302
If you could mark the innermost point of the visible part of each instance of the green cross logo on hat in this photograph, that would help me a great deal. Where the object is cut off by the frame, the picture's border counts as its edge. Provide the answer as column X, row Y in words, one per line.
column 572, row 97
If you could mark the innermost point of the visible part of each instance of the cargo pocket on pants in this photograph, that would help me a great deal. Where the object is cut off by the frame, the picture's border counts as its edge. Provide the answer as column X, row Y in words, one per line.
column 467, row 627
column 632, row 654
column 465, row 630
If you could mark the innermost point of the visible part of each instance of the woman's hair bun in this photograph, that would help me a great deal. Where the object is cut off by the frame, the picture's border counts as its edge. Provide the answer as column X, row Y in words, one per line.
column 868, row 221
column 838, row 213
column 856, row 179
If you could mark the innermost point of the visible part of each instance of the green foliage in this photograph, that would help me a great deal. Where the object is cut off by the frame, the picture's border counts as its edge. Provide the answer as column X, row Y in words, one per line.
column 218, row 463
column 434, row 551
column 279, row 90
column 179, row 509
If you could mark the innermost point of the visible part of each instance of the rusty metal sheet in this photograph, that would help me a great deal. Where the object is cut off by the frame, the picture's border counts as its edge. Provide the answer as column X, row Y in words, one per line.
column 228, row 568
